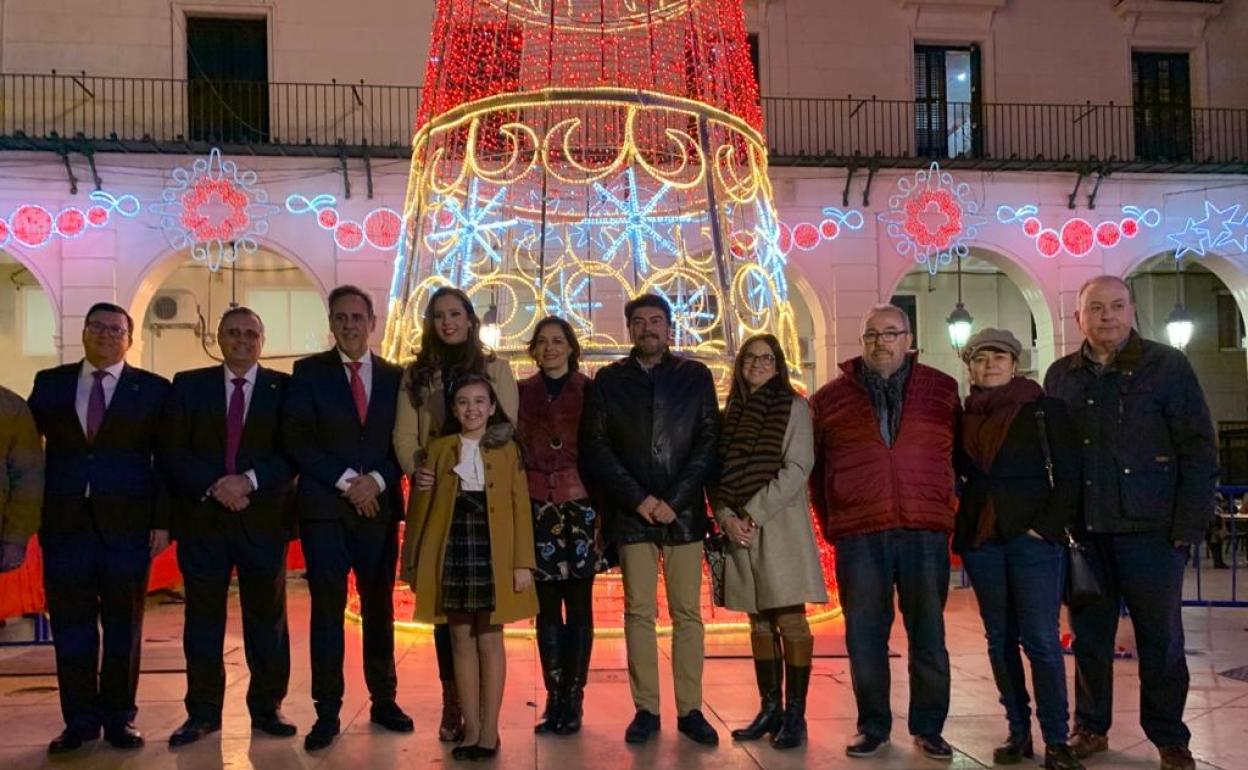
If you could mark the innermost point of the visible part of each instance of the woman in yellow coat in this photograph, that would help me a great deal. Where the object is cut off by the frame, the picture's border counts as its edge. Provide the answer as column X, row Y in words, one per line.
column 471, row 558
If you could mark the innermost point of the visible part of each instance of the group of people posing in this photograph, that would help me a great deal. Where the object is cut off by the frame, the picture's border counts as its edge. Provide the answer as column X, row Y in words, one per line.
column 518, row 494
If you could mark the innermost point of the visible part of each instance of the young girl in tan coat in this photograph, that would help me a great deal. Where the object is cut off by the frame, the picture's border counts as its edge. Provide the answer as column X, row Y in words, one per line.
column 470, row 554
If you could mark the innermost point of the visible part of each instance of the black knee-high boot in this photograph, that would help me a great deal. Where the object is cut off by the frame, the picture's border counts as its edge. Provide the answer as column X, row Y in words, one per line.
column 579, row 642
column 797, row 661
column 768, row 671
column 552, row 653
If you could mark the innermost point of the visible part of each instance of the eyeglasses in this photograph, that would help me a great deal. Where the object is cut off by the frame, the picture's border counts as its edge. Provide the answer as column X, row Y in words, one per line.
column 766, row 359
column 888, row 335
column 106, row 330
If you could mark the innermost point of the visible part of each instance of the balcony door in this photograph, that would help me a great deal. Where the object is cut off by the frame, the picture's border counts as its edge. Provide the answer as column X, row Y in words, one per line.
column 227, row 66
column 1162, row 91
column 947, row 104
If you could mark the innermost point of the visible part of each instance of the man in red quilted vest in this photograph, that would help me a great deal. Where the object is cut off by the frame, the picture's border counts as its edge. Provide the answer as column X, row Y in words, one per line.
column 883, row 491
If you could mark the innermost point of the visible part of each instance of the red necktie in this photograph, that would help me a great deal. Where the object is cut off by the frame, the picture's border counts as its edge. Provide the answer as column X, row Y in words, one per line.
column 234, row 424
column 357, row 391
column 96, row 405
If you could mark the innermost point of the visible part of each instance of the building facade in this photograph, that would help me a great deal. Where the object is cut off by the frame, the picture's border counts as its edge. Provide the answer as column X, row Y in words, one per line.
column 1005, row 150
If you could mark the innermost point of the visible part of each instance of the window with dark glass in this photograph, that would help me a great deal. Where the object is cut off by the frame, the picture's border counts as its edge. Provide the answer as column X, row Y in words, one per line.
column 1161, row 89
column 947, row 104
column 227, row 71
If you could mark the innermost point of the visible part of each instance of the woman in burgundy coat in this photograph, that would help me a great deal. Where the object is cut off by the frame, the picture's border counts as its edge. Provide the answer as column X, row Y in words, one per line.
column 565, row 524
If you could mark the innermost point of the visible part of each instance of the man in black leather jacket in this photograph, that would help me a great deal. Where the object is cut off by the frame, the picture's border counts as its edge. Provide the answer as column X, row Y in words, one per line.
column 649, row 445
column 1149, row 467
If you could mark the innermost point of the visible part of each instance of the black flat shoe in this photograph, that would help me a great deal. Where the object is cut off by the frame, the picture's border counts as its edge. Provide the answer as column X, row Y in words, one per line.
column 480, row 753
column 192, row 730
column 123, row 737
column 463, row 753
column 274, row 725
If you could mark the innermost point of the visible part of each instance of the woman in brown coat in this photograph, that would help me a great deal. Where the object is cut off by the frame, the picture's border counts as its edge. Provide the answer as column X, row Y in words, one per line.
column 470, row 551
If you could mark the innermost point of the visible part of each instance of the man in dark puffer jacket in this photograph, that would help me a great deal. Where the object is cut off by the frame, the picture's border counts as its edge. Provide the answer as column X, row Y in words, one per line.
column 882, row 488
column 1149, row 468
column 651, row 430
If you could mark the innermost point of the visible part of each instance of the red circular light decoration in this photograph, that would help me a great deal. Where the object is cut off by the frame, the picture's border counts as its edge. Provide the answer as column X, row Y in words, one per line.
column 829, row 229
column 71, row 222
column 1048, row 243
column 202, row 215
column 929, row 203
column 1108, row 234
column 382, row 227
column 1077, row 237
column 4, row 232
column 97, row 216
column 1032, row 226
column 1130, row 227
column 806, row 236
column 327, row 218
column 31, row 225
column 349, row 235
column 785, row 240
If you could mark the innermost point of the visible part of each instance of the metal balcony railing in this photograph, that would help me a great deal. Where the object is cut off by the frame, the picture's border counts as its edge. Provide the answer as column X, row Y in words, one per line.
column 101, row 114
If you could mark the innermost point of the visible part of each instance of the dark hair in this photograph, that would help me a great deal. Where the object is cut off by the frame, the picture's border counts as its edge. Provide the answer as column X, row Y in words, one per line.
column 240, row 310
column 434, row 353
column 739, row 387
column 108, row 307
column 574, row 358
column 647, row 300
column 499, row 417
column 350, row 290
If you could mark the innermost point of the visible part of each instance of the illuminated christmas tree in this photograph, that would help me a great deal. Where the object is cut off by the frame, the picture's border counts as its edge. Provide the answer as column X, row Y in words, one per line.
column 571, row 154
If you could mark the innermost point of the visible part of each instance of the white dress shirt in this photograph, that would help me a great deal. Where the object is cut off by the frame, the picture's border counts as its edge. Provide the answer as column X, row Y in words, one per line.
column 366, row 376
column 249, row 388
column 86, row 380
column 470, row 468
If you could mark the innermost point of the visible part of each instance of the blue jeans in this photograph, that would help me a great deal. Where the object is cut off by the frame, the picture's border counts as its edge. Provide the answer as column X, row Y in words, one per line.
column 1146, row 572
column 1018, row 584
column 867, row 569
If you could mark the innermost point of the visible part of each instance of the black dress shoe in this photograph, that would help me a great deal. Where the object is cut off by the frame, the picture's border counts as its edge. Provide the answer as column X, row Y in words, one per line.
column 192, row 730
column 71, row 739
column 934, row 747
column 273, row 724
column 696, row 727
column 643, row 726
column 864, row 745
column 391, row 717
column 322, row 734
column 1058, row 756
column 123, row 736
column 1015, row 748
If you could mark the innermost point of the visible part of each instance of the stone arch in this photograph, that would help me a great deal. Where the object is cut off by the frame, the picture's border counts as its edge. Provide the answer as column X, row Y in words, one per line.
column 23, row 362
column 814, row 305
column 1232, row 273
column 1039, row 294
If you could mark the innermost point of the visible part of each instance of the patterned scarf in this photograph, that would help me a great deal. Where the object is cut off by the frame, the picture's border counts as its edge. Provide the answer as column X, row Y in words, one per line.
column 751, row 446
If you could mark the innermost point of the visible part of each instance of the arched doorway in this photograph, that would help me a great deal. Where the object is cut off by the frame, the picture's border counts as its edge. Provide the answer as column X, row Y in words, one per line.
column 29, row 326
column 997, row 291
column 1215, row 293
column 178, row 304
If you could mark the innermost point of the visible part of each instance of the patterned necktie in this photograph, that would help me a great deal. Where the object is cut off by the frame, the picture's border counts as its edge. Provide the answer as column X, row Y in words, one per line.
column 357, row 391
column 95, row 405
column 234, row 424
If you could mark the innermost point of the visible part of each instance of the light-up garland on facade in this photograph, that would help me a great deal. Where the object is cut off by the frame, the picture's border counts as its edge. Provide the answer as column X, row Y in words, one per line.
column 380, row 229
column 214, row 210
column 1078, row 236
column 805, row 236
column 34, row 226
column 1218, row 228
column 931, row 194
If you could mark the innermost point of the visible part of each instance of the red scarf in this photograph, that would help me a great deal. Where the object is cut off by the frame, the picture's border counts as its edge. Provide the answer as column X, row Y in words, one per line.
column 986, row 422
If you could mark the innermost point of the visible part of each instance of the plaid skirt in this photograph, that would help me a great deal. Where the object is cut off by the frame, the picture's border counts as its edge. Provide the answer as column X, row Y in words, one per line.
column 467, row 569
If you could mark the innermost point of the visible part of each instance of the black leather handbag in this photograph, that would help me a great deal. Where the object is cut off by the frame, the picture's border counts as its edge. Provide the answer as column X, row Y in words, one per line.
column 1083, row 582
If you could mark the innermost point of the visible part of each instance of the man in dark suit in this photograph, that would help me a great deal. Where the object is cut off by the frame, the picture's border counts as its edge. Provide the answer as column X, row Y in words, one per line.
column 337, row 423
column 231, row 485
column 105, row 515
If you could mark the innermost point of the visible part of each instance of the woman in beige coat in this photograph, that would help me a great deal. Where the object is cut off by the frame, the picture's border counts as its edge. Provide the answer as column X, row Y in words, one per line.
column 450, row 347
column 772, row 568
column 469, row 551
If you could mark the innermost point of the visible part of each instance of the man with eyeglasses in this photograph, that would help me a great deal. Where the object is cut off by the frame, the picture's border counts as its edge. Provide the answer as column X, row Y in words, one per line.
column 337, row 427
column 105, row 516
column 882, row 487
column 231, row 484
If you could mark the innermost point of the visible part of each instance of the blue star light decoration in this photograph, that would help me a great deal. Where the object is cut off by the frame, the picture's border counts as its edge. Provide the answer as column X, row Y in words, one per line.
column 689, row 311
column 569, row 301
column 470, row 232
column 634, row 223
column 1219, row 227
